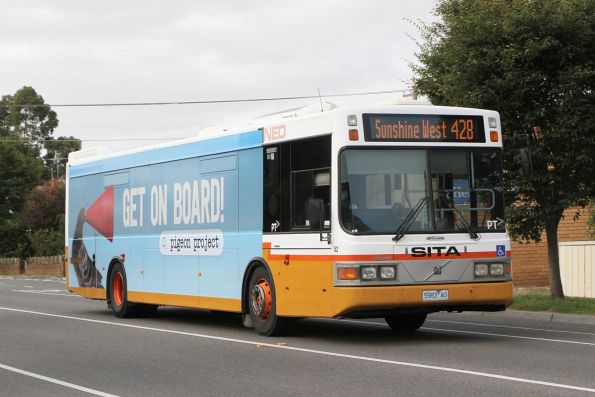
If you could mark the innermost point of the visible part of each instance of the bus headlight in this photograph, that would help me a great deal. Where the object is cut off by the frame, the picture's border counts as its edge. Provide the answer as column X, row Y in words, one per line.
column 369, row 272
column 497, row 269
column 387, row 272
column 350, row 274
column 482, row 270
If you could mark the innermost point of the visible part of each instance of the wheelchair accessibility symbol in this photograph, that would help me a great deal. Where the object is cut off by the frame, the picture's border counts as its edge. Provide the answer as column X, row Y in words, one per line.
column 500, row 250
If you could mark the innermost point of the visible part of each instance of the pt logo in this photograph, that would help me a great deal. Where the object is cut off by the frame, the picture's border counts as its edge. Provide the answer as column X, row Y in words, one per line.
column 275, row 225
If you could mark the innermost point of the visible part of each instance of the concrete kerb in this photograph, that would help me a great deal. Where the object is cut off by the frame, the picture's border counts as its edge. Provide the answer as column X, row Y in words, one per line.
column 543, row 316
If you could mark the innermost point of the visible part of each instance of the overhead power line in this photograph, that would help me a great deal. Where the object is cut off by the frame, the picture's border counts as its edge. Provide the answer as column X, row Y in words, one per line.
column 216, row 101
column 93, row 140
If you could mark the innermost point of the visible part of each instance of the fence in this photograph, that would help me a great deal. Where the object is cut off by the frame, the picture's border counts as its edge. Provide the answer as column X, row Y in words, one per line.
column 577, row 268
column 11, row 266
column 34, row 266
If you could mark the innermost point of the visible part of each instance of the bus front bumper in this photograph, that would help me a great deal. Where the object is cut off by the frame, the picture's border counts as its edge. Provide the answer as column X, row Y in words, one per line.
column 375, row 301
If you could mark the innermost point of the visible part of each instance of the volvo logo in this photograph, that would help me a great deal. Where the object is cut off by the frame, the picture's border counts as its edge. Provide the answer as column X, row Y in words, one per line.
column 435, row 238
column 437, row 270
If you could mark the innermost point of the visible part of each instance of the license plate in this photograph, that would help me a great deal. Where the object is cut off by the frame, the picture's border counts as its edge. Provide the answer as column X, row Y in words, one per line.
column 430, row 295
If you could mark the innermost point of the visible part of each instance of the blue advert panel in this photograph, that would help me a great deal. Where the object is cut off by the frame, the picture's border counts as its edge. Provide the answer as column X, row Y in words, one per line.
column 186, row 226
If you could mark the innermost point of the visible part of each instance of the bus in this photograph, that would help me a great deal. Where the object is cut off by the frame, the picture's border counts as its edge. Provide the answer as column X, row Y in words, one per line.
column 392, row 211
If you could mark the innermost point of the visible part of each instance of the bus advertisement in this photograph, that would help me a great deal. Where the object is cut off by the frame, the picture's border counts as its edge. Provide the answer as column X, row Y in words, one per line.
column 392, row 211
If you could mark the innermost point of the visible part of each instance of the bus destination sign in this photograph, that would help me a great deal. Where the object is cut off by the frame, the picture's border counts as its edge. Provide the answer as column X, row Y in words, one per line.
column 423, row 128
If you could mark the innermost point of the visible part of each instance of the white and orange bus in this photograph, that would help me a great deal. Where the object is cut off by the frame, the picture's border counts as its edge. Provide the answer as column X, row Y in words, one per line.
column 391, row 211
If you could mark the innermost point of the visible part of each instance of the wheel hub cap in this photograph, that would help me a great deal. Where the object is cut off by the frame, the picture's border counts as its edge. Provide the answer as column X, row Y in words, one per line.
column 261, row 299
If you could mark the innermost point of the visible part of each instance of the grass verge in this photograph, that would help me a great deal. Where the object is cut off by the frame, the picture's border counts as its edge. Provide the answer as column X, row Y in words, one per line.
column 540, row 301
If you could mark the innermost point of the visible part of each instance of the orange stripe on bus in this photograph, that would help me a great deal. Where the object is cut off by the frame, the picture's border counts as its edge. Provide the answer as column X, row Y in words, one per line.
column 93, row 293
column 204, row 302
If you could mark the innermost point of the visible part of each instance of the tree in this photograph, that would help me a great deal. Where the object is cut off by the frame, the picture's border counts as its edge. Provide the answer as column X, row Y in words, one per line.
column 45, row 205
column 57, row 151
column 18, row 175
column 44, row 218
column 24, row 116
column 533, row 61
column 26, row 127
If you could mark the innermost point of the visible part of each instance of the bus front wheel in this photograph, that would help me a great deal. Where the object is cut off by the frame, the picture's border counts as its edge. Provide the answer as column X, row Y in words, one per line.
column 405, row 323
column 262, row 304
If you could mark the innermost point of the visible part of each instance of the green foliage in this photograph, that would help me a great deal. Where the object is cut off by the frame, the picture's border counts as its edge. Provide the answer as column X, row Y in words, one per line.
column 533, row 61
column 25, row 116
column 47, row 242
column 13, row 238
column 18, row 175
column 45, row 205
column 26, row 126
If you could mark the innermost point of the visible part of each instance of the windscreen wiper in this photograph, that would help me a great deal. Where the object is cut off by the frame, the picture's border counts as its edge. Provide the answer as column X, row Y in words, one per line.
column 472, row 233
column 408, row 221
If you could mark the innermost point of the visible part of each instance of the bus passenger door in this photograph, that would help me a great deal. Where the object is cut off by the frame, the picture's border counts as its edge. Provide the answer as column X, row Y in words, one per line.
column 297, row 224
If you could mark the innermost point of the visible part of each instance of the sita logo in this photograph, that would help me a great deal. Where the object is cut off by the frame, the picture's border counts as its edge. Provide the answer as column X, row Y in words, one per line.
column 435, row 251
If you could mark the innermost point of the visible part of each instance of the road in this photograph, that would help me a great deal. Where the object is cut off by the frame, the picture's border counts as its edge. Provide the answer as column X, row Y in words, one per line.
column 54, row 343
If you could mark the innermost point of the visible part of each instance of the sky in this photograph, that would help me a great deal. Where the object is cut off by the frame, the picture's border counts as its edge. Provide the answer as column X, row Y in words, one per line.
column 81, row 52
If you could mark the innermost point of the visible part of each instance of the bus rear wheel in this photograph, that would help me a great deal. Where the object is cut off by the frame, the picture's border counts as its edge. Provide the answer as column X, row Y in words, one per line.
column 262, row 304
column 118, row 294
column 405, row 323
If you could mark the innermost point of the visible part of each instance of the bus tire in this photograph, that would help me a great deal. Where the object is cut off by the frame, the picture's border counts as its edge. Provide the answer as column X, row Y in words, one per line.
column 262, row 304
column 118, row 293
column 405, row 323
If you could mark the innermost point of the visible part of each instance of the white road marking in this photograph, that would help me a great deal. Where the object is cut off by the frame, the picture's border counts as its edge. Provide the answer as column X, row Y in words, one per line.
column 474, row 333
column 59, row 292
column 32, row 279
column 317, row 352
column 57, row 381
column 509, row 336
column 511, row 327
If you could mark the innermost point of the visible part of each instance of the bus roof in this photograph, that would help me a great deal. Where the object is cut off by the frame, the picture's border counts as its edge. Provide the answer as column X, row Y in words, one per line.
column 316, row 114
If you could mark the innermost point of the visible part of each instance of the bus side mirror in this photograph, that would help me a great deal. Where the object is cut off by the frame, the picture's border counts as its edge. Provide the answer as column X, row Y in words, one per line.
column 526, row 162
column 315, row 213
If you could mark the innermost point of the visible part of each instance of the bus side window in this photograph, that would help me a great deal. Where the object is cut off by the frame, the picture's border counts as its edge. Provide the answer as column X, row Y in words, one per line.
column 294, row 172
column 309, row 177
column 307, row 186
